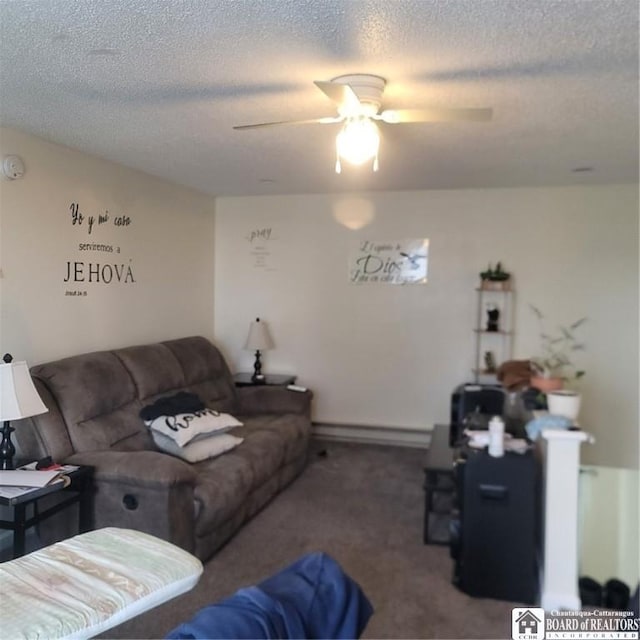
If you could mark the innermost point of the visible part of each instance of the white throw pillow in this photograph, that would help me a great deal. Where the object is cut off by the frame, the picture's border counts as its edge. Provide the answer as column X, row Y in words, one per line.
column 184, row 427
column 200, row 449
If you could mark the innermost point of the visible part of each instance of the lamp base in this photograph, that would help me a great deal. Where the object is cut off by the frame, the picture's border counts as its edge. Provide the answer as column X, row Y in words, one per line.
column 257, row 369
column 7, row 450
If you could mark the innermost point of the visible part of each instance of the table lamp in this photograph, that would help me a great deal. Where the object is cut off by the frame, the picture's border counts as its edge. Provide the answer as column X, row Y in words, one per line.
column 18, row 399
column 258, row 340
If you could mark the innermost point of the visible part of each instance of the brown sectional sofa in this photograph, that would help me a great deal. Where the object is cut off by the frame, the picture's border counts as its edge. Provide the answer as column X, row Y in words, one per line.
column 94, row 402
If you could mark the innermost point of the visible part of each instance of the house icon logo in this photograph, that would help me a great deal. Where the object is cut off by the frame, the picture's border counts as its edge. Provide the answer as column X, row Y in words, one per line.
column 527, row 624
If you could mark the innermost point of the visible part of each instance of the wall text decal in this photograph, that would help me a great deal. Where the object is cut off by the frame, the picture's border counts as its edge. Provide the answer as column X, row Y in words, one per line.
column 80, row 271
column 96, row 272
column 390, row 262
column 77, row 217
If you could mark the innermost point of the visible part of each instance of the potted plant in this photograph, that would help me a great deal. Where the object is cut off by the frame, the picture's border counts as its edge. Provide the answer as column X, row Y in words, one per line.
column 495, row 279
column 554, row 368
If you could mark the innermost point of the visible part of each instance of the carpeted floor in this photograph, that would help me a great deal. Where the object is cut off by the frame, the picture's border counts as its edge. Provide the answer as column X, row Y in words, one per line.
column 362, row 504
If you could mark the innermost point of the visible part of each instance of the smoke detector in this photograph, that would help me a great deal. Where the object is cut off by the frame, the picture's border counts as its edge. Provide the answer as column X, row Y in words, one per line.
column 13, row 167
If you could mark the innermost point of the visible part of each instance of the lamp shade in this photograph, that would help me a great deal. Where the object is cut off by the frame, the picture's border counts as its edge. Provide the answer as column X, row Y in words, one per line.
column 259, row 338
column 18, row 396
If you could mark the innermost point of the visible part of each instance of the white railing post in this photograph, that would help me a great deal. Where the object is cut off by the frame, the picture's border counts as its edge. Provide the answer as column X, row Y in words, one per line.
column 560, row 542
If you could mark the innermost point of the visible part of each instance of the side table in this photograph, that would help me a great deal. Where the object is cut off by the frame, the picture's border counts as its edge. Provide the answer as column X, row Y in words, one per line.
column 438, row 486
column 77, row 491
column 244, row 379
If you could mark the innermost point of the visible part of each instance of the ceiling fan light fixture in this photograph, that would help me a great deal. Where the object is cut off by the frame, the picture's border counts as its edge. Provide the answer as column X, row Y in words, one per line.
column 358, row 98
column 358, row 141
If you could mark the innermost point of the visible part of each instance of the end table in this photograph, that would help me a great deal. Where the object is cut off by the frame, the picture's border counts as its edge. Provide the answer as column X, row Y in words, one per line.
column 77, row 491
column 245, row 379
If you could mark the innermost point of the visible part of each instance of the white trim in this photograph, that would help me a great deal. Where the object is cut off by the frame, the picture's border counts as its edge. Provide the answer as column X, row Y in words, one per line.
column 403, row 437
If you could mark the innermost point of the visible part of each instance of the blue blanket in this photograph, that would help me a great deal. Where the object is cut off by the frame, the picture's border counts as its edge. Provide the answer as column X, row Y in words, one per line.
column 312, row 598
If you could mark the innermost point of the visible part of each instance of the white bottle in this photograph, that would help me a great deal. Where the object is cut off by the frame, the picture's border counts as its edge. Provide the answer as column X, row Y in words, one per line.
column 496, row 437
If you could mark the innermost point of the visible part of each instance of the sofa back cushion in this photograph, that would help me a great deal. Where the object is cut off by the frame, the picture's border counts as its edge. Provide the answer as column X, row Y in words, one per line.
column 97, row 400
column 206, row 372
column 153, row 370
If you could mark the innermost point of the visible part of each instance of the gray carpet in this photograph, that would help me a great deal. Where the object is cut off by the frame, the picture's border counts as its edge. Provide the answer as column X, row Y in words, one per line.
column 363, row 505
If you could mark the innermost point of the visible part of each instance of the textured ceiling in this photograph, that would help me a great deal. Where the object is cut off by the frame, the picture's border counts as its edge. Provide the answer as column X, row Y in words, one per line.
column 158, row 84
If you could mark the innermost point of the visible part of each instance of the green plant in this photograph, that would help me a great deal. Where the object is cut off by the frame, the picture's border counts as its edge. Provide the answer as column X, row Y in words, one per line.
column 558, row 349
column 495, row 275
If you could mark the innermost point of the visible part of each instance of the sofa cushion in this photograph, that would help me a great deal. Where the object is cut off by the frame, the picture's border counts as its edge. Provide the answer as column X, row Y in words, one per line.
column 184, row 427
column 88, row 385
column 263, row 451
column 91, row 387
column 291, row 428
column 153, row 368
column 201, row 449
column 205, row 372
column 119, row 430
column 221, row 489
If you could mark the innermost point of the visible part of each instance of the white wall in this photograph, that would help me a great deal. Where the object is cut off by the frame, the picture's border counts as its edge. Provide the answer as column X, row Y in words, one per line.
column 391, row 355
column 609, row 524
column 168, row 245
column 374, row 354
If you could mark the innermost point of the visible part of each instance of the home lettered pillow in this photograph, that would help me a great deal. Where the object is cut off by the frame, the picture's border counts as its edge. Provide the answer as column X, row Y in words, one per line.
column 184, row 427
column 200, row 449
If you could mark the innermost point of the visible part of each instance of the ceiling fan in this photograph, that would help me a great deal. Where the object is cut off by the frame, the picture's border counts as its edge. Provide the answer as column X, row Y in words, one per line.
column 359, row 98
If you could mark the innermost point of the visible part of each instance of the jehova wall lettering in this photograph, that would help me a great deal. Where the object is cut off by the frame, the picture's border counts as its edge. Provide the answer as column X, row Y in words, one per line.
column 84, row 271
column 96, row 272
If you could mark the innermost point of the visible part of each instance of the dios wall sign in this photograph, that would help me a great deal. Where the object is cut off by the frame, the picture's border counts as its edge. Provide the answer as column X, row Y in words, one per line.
column 390, row 262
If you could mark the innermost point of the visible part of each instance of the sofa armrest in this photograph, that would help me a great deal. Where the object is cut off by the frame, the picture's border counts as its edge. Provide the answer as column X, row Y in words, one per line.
column 272, row 399
column 144, row 468
column 148, row 491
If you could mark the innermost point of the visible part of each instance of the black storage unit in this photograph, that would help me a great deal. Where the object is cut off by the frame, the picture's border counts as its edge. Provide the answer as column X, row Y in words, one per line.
column 467, row 399
column 495, row 533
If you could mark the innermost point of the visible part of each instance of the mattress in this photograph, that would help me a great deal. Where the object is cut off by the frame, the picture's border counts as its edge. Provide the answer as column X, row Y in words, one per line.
column 82, row 586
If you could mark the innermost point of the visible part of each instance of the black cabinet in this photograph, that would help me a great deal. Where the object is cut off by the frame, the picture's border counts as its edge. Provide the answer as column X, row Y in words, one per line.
column 495, row 530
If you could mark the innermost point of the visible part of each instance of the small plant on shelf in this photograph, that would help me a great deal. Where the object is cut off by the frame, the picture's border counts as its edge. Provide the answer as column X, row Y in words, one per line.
column 495, row 275
column 558, row 349
column 495, row 278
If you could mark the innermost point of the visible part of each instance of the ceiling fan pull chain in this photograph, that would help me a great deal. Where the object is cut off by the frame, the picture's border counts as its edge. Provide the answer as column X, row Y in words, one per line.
column 338, row 165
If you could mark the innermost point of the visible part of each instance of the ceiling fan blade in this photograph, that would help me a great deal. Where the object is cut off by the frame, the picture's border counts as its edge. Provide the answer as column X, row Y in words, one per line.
column 342, row 94
column 436, row 114
column 327, row 120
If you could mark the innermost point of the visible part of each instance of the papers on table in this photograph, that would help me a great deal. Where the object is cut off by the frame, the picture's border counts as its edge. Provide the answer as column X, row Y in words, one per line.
column 17, row 482
column 26, row 478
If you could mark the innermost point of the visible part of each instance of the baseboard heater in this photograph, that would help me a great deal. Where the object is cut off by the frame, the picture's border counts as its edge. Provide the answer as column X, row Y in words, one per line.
column 373, row 434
